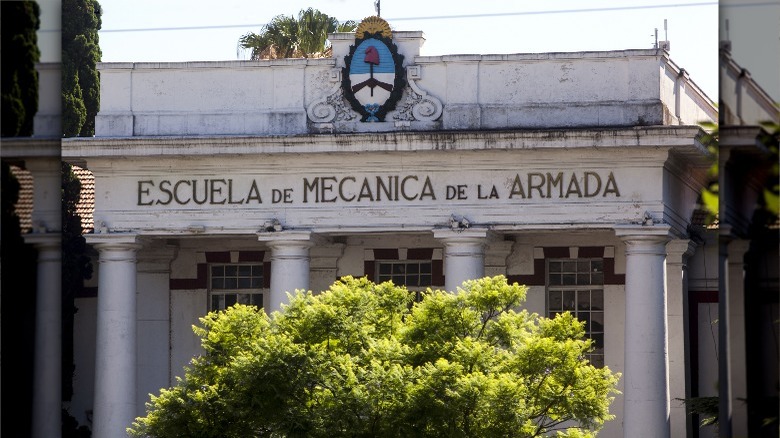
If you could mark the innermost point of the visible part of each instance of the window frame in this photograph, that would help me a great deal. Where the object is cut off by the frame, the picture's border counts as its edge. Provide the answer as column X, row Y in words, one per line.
column 418, row 289
column 257, row 294
column 597, row 356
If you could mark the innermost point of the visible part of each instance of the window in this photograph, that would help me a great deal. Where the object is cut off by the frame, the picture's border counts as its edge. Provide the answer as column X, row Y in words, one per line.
column 234, row 283
column 576, row 286
column 415, row 275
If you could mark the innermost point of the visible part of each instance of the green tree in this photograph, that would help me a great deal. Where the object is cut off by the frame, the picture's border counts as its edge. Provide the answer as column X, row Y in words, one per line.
column 289, row 37
column 363, row 360
column 80, row 79
column 19, row 53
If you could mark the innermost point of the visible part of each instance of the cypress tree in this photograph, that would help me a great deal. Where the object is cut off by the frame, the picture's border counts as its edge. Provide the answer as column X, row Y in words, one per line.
column 80, row 54
column 18, row 54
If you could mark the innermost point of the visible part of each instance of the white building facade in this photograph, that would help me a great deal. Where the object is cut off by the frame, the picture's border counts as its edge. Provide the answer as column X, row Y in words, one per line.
column 577, row 174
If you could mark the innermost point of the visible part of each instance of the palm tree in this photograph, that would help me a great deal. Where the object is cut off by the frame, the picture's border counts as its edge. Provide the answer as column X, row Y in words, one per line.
column 288, row 37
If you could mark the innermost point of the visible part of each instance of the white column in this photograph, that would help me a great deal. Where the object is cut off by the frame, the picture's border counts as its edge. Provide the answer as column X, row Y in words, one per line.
column 677, row 253
column 289, row 264
column 464, row 255
column 115, row 349
column 46, row 237
column 737, row 355
column 646, row 377
column 47, row 374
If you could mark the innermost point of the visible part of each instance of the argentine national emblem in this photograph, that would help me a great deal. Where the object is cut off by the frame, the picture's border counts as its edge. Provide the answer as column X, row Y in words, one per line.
column 374, row 78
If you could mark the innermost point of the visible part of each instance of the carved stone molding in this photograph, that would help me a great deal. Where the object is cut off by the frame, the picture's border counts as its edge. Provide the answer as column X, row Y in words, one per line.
column 331, row 107
column 418, row 104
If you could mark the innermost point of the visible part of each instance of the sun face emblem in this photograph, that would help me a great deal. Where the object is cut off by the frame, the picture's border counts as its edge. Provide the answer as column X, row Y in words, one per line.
column 374, row 78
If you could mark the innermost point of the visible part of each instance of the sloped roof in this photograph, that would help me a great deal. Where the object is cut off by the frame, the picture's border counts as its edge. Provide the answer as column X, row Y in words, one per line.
column 24, row 205
column 86, row 206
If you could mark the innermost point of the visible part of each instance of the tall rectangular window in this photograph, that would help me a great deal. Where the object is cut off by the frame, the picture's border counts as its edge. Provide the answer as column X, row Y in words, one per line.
column 235, row 283
column 416, row 275
column 577, row 286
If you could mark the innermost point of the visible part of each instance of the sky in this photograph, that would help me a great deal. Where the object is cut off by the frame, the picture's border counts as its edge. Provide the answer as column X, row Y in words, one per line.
column 150, row 30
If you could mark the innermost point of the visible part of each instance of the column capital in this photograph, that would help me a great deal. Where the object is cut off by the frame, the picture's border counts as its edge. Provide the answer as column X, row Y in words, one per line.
column 106, row 243
column 290, row 238
column 634, row 231
column 678, row 250
column 737, row 249
column 469, row 235
column 43, row 240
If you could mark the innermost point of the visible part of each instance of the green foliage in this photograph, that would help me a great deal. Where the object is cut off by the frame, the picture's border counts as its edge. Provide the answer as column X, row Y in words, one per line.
column 363, row 360
column 769, row 204
column 771, row 191
column 706, row 407
column 80, row 79
column 19, row 53
column 710, row 194
column 288, row 37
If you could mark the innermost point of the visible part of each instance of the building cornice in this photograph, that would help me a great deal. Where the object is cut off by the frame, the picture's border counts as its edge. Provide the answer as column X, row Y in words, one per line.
column 673, row 137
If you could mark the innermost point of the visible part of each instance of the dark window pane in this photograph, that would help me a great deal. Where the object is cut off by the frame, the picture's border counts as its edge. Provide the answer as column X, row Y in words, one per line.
column 597, row 299
column 398, row 280
column 583, row 300
column 383, row 278
column 583, row 279
column 569, row 279
column 243, row 298
column 244, row 270
column 230, row 299
column 597, row 265
column 412, row 280
column 398, row 268
column 597, row 278
column 257, row 270
column 425, row 268
column 597, row 322
column 384, row 268
column 554, row 314
column 257, row 282
column 231, row 283
column 598, row 340
column 555, row 266
column 583, row 265
column 556, row 300
column 585, row 317
column 597, row 360
column 425, row 280
column 412, row 268
column 231, row 270
column 257, row 300
column 555, row 280
column 217, row 271
column 244, row 283
column 215, row 302
column 568, row 300
column 570, row 266
column 217, row 283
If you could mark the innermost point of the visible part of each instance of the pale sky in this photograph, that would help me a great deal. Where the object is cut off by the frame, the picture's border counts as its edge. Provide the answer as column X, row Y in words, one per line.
column 489, row 26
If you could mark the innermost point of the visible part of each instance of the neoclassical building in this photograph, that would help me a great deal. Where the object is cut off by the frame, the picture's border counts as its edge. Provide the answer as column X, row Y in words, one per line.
column 577, row 174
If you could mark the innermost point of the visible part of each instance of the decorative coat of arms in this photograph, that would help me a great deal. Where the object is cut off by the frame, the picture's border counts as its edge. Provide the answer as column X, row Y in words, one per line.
column 374, row 77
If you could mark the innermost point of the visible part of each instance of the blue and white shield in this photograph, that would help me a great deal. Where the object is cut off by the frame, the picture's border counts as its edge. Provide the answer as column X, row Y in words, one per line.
column 372, row 73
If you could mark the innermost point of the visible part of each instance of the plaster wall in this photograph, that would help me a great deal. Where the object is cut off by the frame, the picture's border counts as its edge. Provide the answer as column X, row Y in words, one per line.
column 579, row 89
column 744, row 102
column 128, row 197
